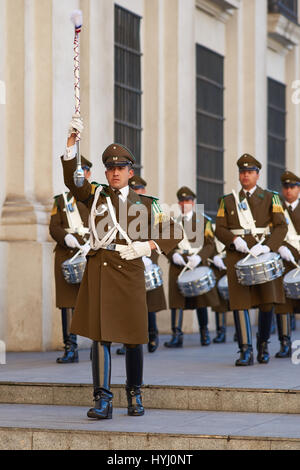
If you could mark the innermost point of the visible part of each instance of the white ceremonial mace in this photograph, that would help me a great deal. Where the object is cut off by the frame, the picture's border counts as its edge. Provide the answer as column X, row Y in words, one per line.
column 77, row 20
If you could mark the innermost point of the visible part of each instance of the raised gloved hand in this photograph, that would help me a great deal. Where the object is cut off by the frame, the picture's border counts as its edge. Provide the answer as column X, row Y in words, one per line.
column 135, row 250
column 178, row 259
column 71, row 241
column 193, row 261
column 147, row 262
column 258, row 249
column 241, row 245
column 218, row 262
column 85, row 248
column 286, row 254
column 76, row 125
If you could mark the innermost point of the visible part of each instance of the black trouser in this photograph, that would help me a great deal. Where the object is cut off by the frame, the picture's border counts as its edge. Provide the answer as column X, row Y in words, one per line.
column 69, row 339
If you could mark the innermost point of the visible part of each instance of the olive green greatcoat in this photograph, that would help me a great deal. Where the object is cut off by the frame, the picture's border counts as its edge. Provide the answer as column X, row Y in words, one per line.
column 266, row 212
column 66, row 294
column 111, row 304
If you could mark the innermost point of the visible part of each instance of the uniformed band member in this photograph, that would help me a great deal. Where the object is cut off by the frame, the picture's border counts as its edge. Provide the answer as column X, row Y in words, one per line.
column 111, row 304
column 156, row 300
column 241, row 223
column 69, row 228
column 184, row 254
column 289, row 252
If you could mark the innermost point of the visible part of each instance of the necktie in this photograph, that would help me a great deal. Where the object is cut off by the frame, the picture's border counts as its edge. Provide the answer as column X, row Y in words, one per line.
column 118, row 192
column 248, row 195
column 290, row 208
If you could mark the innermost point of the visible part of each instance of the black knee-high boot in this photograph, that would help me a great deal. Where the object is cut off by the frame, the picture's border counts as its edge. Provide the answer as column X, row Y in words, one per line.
column 263, row 335
column 176, row 324
column 101, row 368
column 134, row 375
column 244, row 337
column 202, row 322
column 284, row 335
column 220, row 328
column 70, row 340
column 153, row 332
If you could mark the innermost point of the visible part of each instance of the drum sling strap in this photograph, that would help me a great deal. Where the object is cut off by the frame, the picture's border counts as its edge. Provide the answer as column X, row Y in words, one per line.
column 185, row 246
column 292, row 236
column 246, row 220
column 74, row 219
column 95, row 243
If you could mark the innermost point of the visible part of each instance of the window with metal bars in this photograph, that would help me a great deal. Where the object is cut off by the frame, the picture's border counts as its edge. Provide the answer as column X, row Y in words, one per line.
column 128, row 93
column 210, row 127
column 276, row 132
column 288, row 8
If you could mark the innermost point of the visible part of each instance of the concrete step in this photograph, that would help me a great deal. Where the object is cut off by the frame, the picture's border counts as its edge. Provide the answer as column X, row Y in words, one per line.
column 37, row 427
column 168, row 397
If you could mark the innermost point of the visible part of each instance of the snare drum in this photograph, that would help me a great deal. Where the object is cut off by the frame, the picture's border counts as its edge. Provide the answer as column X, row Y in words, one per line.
column 223, row 287
column 73, row 269
column 291, row 284
column 196, row 282
column 153, row 277
column 264, row 268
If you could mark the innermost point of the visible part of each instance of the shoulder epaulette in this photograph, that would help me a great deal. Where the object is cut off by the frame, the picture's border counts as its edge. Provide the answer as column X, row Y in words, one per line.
column 273, row 192
column 150, row 197
column 206, row 216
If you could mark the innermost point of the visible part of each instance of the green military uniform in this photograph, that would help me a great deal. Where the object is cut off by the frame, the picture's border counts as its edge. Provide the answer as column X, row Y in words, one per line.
column 267, row 212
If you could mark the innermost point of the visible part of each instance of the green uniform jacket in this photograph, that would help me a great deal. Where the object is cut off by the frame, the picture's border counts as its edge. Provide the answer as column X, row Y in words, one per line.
column 267, row 211
column 111, row 304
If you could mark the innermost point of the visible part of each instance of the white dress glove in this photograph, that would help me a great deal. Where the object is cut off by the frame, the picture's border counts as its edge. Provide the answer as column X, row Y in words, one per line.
column 178, row 259
column 147, row 262
column 258, row 249
column 85, row 248
column 76, row 125
column 71, row 241
column 194, row 260
column 286, row 254
column 135, row 250
column 241, row 245
column 218, row 262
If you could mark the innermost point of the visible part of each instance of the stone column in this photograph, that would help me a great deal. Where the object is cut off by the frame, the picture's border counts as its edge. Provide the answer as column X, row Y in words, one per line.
column 293, row 111
column 254, row 82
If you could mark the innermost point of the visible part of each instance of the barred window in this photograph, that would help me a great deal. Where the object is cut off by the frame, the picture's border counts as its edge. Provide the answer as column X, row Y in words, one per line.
column 210, row 127
column 276, row 132
column 288, row 8
column 128, row 93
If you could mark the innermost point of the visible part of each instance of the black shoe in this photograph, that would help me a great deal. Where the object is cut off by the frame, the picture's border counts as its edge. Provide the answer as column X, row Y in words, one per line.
column 285, row 348
column 246, row 356
column 70, row 356
column 103, row 406
column 204, row 337
column 134, row 398
column 263, row 355
column 221, row 336
column 153, row 341
column 121, row 351
column 176, row 340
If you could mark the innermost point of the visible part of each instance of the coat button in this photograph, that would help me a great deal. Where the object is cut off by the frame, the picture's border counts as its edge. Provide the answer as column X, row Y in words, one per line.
column 105, row 264
column 120, row 267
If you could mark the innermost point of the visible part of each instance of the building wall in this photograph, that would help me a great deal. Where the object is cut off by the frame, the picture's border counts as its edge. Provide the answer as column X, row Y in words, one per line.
column 36, row 64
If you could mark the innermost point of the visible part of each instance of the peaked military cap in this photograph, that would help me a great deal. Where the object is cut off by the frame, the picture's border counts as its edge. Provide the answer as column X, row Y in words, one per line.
column 86, row 163
column 137, row 182
column 185, row 194
column 117, row 155
column 248, row 163
column 290, row 178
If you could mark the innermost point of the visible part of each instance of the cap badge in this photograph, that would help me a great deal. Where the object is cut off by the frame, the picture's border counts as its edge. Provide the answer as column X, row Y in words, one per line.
column 115, row 158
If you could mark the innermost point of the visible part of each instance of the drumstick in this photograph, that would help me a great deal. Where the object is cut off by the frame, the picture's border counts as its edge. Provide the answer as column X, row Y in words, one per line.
column 186, row 265
column 248, row 256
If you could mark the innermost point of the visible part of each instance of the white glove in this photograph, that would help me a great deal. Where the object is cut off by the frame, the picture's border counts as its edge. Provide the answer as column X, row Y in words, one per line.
column 258, row 249
column 71, row 241
column 194, row 260
column 218, row 262
column 135, row 250
column 147, row 262
column 241, row 245
column 85, row 248
column 286, row 254
column 76, row 125
column 178, row 259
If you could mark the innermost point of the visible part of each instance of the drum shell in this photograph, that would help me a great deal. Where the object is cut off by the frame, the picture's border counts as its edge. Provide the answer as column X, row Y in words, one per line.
column 73, row 270
column 223, row 287
column 196, row 287
column 259, row 272
column 291, row 284
column 153, row 278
